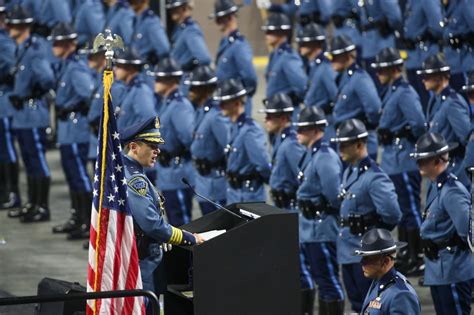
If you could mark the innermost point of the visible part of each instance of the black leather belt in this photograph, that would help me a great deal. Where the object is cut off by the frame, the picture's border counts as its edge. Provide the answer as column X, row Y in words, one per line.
column 358, row 224
column 283, row 199
column 204, row 166
column 431, row 248
column 237, row 180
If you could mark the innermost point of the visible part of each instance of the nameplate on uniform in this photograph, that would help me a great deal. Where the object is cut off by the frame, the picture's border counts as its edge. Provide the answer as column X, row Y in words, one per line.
column 375, row 304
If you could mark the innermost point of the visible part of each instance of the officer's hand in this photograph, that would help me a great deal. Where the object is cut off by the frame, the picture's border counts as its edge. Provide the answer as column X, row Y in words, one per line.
column 16, row 101
column 199, row 238
column 264, row 4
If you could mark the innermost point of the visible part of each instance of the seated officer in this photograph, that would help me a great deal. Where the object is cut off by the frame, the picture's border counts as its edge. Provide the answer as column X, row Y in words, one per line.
column 390, row 292
column 357, row 95
column 449, row 265
column 210, row 136
column 146, row 204
column 177, row 117
column 320, row 172
column 400, row 125
column 248, row 165
column 447, row 112
column 368, row 200
column 285, row 71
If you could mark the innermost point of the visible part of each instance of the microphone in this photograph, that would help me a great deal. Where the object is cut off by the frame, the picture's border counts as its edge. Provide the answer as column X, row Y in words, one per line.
column 185, row 181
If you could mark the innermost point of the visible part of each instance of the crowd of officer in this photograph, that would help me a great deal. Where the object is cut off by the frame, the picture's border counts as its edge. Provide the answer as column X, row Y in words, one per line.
column 337, row 101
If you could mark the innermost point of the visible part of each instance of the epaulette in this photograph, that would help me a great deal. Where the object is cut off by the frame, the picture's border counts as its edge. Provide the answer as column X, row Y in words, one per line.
column 138, row 184
column 149, row 13
column 401, row 283
column 324, row 147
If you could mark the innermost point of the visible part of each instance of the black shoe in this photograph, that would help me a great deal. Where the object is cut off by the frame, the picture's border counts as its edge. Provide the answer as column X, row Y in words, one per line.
column 12, row 202
column 417, row 269
column 20, row 212
column 81, row 233
column 38, row 214
column 421, row 281
column 307, row 301
column 70, row 225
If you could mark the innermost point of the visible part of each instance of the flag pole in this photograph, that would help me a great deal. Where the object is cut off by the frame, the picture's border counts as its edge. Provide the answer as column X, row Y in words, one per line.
column 109, row 42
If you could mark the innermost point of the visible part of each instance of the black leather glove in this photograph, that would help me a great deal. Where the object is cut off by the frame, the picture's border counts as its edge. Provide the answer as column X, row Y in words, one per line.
column 16, row 102
column 385, row 136
column 94, row 126
column 337, row 20
column 384, row 28
column 62, row 113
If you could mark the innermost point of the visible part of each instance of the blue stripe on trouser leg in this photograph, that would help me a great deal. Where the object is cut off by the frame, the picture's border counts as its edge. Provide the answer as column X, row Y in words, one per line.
column 7, row 149
column 306, row 281
column 74, row 163
column 178, row 204
column 356, row 285
column 322, row 261
column 452, row 298
column 31, row 142
column 408, row 186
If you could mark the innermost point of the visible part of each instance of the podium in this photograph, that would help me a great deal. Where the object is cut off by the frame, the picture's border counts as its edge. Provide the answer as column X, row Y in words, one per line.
column 253, row 268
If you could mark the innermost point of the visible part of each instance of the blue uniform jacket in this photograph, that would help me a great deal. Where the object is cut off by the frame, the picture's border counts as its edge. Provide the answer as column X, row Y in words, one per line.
column 449, row 115
column 50, row 12
column 177, row 122
column 137, row 104
column 391, row 294
column 286, row 154
column 211, row 135
column 322, row 170
column 149, row 37
column 189, row 45
column 322, row 88
column 365, row 189
column 246, row 154
column 285, row 72
column 234, row 60
column 119, row 19
column 34, row 72
column 447, row 213
column 374, row 12
column 74, row 85
column 89, row 20
column 422, row 17
column 7, row 62
column 459, row 21
column 357, row 98
column 349, row 10
column 401, row 107
column 305, row 7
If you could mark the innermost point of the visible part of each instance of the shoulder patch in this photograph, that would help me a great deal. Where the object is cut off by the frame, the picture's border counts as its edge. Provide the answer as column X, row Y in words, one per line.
column 139, row 185
column 375, row 167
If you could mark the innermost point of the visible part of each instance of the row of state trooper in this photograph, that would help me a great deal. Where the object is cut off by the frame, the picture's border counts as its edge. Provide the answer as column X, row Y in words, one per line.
column 191, row 125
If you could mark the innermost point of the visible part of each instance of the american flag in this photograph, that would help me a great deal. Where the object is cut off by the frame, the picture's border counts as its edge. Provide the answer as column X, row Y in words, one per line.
column 113, row 257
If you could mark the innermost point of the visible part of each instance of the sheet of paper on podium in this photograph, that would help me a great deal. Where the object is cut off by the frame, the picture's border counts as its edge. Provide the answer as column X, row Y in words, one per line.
column 211, row 234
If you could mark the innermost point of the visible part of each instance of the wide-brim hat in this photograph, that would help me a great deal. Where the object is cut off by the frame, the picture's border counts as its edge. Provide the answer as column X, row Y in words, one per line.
column 223, row 8
column 434, row 64
column 175, row 4
column 229, row 89
column 311, row 116
column 277, row 22
column 377, row 242
column 311, row 32
column 431, row 144
column 469, row 86
column 350, row 130
column 387, row 57
column 341, row 44
column 129, row 56
column 167, row 68
column 202, row 75
column 277, row 104
column 18, row 15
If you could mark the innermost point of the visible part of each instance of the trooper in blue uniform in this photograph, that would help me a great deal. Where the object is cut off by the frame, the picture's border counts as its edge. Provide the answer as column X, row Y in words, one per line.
column 285, row 71
column 468, row 162
column 320, row 172
column 33, row 77
column 357, row 95
column 322, row 89
column 234, row 54
column 458, row 26
column 421, row 33
column 188, row 45
column 153, row 234
column 286, row 151
column 119, row 18
column 306, row 11
column 149, row 37
column 447, row 113
column 177, row 118
column 9, row 190
column 449, row 264
column 399, row 127
column 248, row 163
column 390, row 292
column 138, row 102
column 379, row 21
column 73, row 89
column 210, row 136
column 368, row 199
column 89, row 20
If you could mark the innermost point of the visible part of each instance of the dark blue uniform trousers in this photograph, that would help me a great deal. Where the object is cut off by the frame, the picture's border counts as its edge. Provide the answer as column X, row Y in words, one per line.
column 322, row 262
column 306, row 282
column 356, row 284
column 408, row 186
column 178, row 205
column 452, row 298
column 32, row 148
column 74, row 162
column 7, row 149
